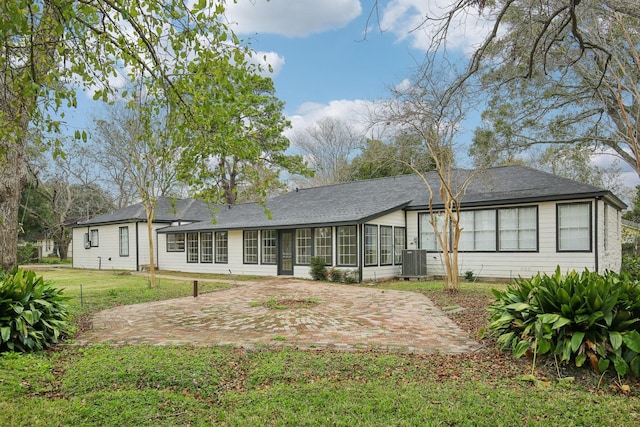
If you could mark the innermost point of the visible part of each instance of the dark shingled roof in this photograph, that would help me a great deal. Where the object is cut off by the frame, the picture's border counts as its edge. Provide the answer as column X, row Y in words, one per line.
column 167, row 210
column 360, row 201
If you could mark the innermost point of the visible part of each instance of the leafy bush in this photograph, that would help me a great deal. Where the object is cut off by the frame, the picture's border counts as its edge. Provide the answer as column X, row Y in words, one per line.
column 318, row 268
column 27, row 253
column 578, row 317
column 335, row 275
column 32, row 314
column 631, row 266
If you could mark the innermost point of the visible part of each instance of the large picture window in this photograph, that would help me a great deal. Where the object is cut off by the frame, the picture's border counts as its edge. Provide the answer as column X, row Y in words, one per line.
column 123, row 241
column 518, row 229
column 347, row 243
column 370, row 244
column 175, row 242
column 574, row 227
column 399, row 244
column 250, row 247
column 192, row 247
column 386, row 245
column 269, row 240
column 303, row 246
column 323, row 244
column 206, row 247
column 222, row 247
column 478, row 230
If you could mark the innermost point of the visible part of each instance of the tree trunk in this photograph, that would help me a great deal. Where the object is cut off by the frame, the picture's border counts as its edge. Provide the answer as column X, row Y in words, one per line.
column 13, row 178
column 152, row 261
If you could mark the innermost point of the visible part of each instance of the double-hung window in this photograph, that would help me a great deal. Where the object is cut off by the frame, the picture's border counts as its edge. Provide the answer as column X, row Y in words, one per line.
column 95, row 241
column 221, row 247
column 250, row 247
column 574, row 227
column 518, row 229
column 347, row 245
column 428, row 238
column 399, row 244
column 323, row 244
column 303, row 245
column 478, row 230
column 123, row 241
column 370, row 244
column 206, row 247
column 269, row 240
column 386, row 245
column 192, row 247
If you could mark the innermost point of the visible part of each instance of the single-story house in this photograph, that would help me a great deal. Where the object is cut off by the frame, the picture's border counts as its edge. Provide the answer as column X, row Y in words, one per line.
column 516, row 221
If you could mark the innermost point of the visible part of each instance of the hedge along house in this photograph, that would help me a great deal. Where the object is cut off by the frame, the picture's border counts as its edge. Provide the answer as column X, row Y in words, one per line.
column 516, row 221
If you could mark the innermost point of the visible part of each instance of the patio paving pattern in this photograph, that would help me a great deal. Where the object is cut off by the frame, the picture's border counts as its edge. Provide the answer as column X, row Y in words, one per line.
column 341, row 318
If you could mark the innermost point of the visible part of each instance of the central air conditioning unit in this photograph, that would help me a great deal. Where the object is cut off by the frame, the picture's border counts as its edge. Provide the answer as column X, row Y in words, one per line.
column 414, row 262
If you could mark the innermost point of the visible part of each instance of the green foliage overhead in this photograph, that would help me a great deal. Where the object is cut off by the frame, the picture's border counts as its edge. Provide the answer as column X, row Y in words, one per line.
column 235, row 133
column 582, row 318
column 33, row 316
column 400, row 157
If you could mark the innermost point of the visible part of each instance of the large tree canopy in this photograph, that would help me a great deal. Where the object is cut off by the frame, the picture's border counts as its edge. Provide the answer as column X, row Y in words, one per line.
column 49, row 48
column 577, row 97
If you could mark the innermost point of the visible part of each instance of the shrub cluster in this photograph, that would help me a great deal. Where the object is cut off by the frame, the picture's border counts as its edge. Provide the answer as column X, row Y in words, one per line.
column 32, row 314
column 319, row 271
column 582, row 318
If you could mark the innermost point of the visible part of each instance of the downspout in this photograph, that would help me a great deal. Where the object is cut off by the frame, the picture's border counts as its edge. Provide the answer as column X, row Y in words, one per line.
column 137, row 248
column 596, row 236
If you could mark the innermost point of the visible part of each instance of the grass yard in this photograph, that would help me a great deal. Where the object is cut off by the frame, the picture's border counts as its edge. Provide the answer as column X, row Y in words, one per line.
column 197, row 386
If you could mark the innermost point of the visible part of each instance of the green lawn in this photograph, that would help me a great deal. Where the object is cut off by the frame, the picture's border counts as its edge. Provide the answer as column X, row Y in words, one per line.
column 198, row 386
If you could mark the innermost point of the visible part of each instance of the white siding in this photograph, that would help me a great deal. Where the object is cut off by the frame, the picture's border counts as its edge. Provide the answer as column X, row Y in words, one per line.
column 177, row 261
column 106, row 255
column 526, row 264
column 609, row 237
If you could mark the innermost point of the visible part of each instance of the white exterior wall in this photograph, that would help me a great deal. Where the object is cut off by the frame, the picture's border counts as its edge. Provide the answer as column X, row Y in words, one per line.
column 525, row 264
column 177, row 261
column 395, row 219
column 107, row 254
column 610, row 237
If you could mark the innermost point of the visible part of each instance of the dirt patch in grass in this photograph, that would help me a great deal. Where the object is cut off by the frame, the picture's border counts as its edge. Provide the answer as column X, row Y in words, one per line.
column 470, row 311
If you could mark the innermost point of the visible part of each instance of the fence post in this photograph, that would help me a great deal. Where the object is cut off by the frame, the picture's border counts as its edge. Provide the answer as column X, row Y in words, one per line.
column 195, row 288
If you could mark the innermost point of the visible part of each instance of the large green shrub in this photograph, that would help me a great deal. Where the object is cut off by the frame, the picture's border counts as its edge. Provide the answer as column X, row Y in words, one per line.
column 32, row 314
column 577, row 317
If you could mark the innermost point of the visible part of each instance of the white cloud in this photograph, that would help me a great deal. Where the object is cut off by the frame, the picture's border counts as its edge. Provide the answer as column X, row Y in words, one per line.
column 292, row 18
column 355, row 112
column 407, row 20
column 266, row 59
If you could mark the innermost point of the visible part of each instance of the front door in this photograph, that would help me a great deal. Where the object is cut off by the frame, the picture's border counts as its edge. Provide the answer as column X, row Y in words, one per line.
column 285, row 253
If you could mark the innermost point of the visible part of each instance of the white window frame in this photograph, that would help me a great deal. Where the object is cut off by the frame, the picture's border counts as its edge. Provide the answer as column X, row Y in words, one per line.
column 175, row 242
column 524, row 233
column 206, row 247
column 221, row 247
column 574, row 230
column 347, row 246
column 123, row 241
column 304, row 246
column 250, row 246
column 323, row 244
column 269, row 246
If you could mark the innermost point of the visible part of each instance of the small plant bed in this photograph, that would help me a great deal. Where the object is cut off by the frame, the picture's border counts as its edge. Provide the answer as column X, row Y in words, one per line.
column 274, row 303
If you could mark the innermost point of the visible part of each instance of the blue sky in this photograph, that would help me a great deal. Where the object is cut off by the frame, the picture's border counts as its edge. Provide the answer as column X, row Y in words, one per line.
column 329, row 61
